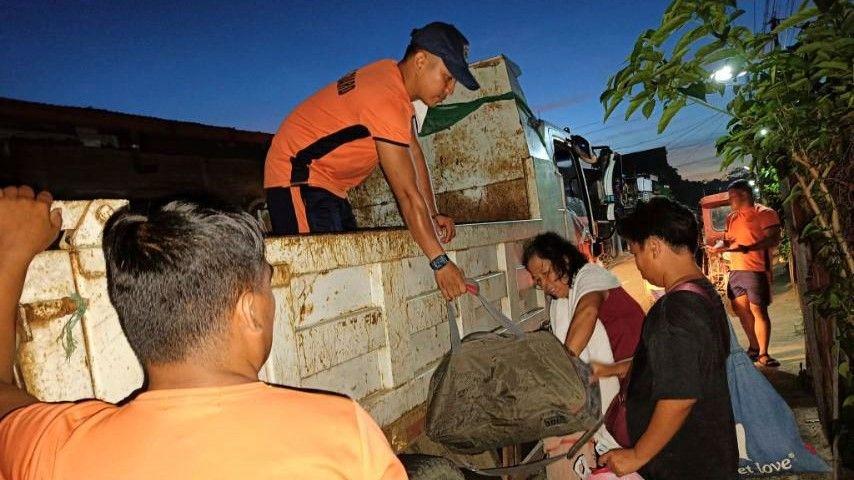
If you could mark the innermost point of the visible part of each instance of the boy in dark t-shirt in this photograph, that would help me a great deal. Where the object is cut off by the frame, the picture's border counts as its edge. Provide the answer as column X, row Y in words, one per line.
column 678, row 405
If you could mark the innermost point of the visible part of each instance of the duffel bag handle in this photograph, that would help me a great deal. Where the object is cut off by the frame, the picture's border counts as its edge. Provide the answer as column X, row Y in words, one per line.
column 495, row 313
column 456, row 342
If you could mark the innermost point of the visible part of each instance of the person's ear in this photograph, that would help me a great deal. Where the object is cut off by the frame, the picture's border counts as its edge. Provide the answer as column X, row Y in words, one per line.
column 421, row 60
column 247, row 316
column 654, row 246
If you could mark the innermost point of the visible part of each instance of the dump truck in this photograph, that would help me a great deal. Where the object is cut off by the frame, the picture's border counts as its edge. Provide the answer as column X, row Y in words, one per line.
column 356, row 313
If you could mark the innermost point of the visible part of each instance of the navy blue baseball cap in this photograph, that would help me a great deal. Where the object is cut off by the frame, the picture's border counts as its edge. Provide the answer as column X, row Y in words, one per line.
column 446, row 42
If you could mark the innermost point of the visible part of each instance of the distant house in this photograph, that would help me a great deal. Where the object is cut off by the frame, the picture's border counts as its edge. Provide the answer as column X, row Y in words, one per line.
column 84, row 153
column 654, row 175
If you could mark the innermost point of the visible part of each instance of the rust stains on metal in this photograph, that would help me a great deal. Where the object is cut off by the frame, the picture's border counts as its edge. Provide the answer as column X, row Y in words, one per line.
column 407, row 428
column 480, row 150
column 281, row 276
column 79, row 269
column 305, row 310
column 497, row 202
column 489, row 62
column 103, row 213
column 321, row 253
column 42, row 312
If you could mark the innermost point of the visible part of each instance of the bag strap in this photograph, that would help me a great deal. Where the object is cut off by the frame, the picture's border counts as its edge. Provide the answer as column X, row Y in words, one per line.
column 734, row 346
column 496, row 314
column 456, row 342
column 538, row 465
column 690, row 286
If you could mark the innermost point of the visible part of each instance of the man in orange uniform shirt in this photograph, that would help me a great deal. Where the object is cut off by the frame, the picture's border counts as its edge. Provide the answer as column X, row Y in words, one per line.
column 192, row 290
column 752, row 230
column 333, row 140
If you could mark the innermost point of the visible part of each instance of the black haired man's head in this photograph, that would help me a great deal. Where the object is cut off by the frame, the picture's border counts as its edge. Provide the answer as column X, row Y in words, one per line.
column 552, row 262
column 740, row 194
column 182, row 278
column 434, row 61
column 658, row 232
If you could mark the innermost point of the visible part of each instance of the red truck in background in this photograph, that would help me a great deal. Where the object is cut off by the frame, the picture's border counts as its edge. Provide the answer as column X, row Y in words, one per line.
column 713, row 213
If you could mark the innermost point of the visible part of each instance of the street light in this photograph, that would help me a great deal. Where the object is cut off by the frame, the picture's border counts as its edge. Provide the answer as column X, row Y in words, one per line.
column 726, row 74
column 723, row 74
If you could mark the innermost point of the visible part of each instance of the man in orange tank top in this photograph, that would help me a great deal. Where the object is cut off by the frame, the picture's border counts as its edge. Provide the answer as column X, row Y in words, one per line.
column 332, row 141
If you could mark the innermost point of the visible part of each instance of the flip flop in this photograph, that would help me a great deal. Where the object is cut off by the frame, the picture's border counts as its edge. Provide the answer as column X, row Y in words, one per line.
column 753, row 353
column 766, row 360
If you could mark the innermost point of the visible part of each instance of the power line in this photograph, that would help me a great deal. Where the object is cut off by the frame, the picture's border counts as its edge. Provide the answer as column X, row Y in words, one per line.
column 607, row 127
column 686, row 133
column 701, row 160
column 711, row 133
column 597, row 122
column 682, row 131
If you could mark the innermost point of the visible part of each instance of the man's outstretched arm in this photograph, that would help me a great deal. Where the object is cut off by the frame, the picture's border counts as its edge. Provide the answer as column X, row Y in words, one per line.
column 397, row 164
column 444, row 224
column 27, row 226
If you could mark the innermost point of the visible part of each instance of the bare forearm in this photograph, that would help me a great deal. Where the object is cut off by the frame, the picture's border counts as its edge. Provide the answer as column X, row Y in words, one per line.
column 426, row 188
column 619, row 369
column 12, row 274
column 580, row 330
column 583, row 322
column 417, row 217
column 667, row 419
column 422, row 177
column 768, row 242
column 27, row 227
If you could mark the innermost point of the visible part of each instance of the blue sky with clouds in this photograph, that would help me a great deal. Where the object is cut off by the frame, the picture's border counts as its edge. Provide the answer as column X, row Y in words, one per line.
column 247, row 64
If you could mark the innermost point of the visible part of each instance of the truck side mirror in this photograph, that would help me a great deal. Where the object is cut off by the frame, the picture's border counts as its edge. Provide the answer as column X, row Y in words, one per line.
column 582, row 148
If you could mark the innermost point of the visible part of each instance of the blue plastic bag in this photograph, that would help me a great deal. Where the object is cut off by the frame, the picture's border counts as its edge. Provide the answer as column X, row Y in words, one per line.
column 768, row 438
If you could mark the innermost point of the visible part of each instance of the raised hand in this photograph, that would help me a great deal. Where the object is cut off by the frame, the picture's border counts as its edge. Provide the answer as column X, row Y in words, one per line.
column 27, row 224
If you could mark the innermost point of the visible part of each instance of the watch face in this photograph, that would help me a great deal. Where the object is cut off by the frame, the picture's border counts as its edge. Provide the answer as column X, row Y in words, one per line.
column 439, row 262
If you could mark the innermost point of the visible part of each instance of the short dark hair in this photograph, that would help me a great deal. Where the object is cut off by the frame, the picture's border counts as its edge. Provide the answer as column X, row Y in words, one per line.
column 174, row 275
column 742, row 185
column 661, row 217
column 565, row 258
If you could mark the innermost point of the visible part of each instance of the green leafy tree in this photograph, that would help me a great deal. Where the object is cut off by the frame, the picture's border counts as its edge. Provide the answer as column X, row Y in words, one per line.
column 791, row 116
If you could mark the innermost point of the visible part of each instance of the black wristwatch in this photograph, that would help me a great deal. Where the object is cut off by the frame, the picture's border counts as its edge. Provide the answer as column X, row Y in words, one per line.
column 437, row 263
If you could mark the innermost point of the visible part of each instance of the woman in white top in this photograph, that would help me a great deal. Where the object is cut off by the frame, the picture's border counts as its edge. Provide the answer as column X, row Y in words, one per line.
column 590, row 313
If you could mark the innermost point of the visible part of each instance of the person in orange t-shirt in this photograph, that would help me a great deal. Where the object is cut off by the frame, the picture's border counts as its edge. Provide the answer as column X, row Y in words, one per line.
column 752, row 230
column 332, row 141
column 192, row 291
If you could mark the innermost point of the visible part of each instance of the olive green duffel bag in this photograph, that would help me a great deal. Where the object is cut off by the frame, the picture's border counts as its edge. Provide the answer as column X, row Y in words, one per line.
column 498, row 389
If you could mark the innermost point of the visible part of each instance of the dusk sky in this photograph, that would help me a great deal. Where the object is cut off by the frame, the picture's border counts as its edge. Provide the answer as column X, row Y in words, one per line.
column 247, row 64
